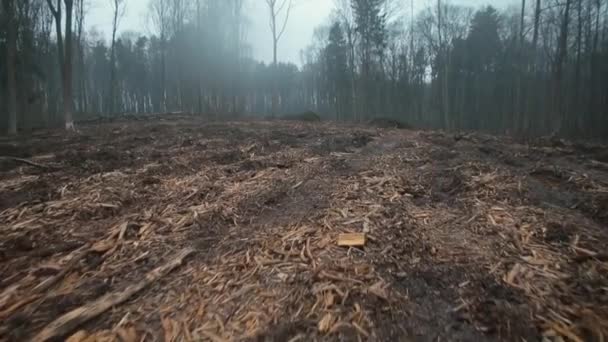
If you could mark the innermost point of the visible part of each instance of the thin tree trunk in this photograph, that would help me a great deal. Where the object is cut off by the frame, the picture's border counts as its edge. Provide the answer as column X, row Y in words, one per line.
column 11, row 53
column 520, row 104
column 561, row 58
column 67, row 91
column 81, row 47
column 444, row 63
column 200, row 74
column 163, row 100
column 275, row 86
column 593, row 102
column 579, row 37
column 112, row 92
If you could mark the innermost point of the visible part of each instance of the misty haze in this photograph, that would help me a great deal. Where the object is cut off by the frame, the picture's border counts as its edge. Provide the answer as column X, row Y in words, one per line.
column 303, row 170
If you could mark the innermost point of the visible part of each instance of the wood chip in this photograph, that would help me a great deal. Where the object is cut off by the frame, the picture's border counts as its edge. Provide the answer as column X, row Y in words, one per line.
column 351, row 240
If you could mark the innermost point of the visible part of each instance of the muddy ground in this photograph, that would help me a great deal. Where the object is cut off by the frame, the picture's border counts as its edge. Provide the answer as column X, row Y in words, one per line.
column 469, row 236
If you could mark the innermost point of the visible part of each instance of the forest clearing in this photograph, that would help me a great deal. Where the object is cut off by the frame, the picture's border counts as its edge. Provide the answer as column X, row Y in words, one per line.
column 174, row 229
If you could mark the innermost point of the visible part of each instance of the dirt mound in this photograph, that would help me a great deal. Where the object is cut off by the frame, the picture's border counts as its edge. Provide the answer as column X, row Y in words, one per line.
column 388, row 123
column 308, row 116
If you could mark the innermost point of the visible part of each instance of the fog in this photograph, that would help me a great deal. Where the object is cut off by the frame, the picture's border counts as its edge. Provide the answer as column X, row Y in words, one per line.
column 305, row 17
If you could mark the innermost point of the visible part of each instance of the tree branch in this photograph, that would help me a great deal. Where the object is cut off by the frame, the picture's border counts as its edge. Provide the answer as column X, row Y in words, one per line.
column 54, row 11
column 286, row 18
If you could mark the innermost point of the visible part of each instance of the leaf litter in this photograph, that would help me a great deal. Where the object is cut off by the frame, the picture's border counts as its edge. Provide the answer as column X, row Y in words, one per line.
column 177, row 230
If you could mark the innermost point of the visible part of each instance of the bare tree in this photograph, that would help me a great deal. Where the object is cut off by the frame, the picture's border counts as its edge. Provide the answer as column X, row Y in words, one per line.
column 159, row 15
column 346, row 15
column 277, row 9
column 519, row 92
column 80, row 15
column 65, row 56
column 444, row 58
column 559, row 67
column 278, row 25
column 11, row 51
column 118, row 10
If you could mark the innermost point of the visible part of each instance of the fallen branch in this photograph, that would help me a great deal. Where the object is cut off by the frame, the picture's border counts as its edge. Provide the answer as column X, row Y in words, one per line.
column 28, row 162
column 71, row 320
column 599, row 165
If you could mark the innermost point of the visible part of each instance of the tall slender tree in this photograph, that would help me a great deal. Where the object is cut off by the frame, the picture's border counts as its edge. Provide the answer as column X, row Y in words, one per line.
column 11, row 52
column 118, row 10
column 279, row 11
column 64, row 48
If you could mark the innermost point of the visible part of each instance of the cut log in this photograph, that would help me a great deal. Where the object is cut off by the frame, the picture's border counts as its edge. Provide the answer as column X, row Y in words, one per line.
column 71, row 320
column 351, row 240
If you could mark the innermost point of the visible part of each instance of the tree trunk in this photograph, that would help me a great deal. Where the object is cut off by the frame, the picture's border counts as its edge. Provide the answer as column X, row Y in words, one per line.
column 275, row 42
column 520, row 104
column 444, row 60
column 11, row 47
column 81, row 48
column 112, row 92
column 67, row 70
column 593, row 99
column 535, row 69
column 200, row 74
column 579, row 37
column 561, row 58
column 163, row 75
column 536, row 26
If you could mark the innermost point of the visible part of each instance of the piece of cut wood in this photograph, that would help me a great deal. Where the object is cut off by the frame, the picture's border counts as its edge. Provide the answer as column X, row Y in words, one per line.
column 351, row 240
column 71, row 320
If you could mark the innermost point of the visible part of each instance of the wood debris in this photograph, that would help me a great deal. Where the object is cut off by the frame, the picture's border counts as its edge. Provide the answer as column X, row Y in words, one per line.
column 459, row 241
column 351, row 240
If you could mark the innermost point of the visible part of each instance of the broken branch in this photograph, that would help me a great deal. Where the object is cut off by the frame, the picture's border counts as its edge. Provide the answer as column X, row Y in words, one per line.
column 28, row 162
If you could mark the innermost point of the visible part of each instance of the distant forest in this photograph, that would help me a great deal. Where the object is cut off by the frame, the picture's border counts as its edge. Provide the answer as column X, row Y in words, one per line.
column 541, row 68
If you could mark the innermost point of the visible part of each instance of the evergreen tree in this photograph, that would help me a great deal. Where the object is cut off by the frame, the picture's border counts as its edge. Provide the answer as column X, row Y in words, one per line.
column 371, row 26
column 337, row 69
column 483, row 38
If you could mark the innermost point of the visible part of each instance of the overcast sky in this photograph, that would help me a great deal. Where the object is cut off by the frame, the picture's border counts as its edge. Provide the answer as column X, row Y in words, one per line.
column 305, row 17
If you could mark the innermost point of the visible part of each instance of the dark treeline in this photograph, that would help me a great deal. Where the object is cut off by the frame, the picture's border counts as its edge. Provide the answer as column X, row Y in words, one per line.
column 540, row 68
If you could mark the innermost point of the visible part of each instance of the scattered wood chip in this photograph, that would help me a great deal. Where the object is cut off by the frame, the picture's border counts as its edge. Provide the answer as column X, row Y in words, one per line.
column 326, row 323
column 351, row 240
column 379, row 289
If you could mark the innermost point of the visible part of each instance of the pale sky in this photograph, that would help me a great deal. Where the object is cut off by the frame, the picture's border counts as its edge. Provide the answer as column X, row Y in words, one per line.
column 305, row 17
